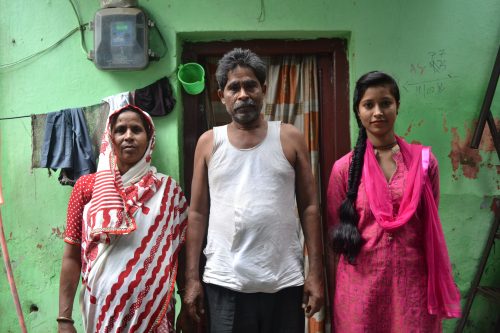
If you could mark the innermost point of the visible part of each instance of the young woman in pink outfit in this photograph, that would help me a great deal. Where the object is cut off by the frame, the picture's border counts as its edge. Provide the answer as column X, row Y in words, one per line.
column 393, row 273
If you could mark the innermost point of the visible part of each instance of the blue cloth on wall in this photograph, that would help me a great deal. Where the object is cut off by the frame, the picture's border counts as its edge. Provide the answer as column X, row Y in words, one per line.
column 67, row 145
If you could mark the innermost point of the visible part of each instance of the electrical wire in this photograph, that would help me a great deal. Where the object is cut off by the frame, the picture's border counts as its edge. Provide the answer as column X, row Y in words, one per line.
column 164, row 43
column 262, row 15
column 153, row 25
column 16, row 117
column 80, row 24
column 81, row 27
column 17, row 62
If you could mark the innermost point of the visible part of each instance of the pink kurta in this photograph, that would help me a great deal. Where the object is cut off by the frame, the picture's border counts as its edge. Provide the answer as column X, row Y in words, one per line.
column 386, row 289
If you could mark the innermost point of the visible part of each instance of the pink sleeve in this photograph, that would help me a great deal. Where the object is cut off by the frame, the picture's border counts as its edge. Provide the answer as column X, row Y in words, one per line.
column 337, row 188
column 434, row 177
column 80, row 196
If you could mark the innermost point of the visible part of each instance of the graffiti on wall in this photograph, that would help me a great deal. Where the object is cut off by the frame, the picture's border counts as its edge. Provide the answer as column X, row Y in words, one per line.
column 430, row 76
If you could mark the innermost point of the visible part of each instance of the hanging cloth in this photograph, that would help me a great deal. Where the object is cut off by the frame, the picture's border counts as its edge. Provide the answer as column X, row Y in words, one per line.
column 120, row 100
column 67, row 145
column 156, row 99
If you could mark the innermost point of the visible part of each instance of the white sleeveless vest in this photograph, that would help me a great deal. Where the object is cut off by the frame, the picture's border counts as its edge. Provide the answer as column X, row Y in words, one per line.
column 253, row 241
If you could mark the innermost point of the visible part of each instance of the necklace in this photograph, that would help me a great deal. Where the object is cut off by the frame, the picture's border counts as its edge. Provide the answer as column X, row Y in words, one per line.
column 386, row 147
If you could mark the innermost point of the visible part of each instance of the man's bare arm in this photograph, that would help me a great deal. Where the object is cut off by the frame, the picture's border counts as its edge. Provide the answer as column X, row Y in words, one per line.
column 307, row 204
column 197, row 225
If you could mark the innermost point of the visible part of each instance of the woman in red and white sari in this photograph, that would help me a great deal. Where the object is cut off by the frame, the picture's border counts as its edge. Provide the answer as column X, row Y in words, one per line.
column 125, row 227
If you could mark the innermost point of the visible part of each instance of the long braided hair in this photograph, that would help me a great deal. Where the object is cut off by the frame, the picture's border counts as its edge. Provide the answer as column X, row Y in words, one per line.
column 346, row 238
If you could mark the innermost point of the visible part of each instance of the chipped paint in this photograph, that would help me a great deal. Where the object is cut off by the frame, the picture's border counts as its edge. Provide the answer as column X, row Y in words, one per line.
column 58, row 233
column 462, row 155
column 410, row 127
column 445, row 123
column 408, row 130
column 470, row 159
column 487, row 139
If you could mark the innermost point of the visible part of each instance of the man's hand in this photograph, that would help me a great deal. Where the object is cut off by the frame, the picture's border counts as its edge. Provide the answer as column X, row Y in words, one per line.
column 313, row 298
column 194, row 299
column 184, row 324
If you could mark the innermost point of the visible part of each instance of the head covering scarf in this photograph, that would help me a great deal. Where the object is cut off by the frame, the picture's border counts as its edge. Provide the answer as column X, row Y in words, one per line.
column 133, row 229
column 442, row 293
column 111, row 212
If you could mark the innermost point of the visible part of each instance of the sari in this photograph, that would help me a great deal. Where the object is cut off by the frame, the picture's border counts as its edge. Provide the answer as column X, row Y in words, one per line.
column 132, row 228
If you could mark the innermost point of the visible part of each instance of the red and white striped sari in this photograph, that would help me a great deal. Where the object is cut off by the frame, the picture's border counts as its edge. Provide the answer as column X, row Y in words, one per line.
column 132, row 231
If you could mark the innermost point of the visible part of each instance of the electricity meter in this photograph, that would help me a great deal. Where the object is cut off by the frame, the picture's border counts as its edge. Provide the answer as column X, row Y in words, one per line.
column 120, row 39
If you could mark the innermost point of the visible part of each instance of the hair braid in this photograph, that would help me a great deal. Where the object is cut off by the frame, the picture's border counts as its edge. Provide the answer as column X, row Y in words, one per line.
column 346, row 237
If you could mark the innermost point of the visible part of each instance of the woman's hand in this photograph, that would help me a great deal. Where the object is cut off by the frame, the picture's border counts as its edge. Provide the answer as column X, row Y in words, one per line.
column 68, row 283
column 66, row 328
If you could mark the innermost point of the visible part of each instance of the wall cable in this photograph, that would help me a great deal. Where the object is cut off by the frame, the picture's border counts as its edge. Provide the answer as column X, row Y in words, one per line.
column 81, row 27
column 16, row 117
column 262, row 15
column 153, row 55
column 80, row 24
column 17, row 62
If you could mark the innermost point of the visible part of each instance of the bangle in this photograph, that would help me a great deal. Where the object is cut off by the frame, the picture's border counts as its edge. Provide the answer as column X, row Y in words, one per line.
column 65, row 320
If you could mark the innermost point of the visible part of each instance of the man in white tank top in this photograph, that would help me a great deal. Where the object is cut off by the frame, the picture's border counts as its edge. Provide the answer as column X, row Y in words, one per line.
column 250, row 179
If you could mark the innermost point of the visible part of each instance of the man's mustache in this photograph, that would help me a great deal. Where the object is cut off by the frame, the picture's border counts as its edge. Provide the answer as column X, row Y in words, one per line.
column 245, row 104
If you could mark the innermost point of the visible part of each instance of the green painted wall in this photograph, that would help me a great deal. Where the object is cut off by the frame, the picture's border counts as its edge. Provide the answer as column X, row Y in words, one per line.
column 441, row 52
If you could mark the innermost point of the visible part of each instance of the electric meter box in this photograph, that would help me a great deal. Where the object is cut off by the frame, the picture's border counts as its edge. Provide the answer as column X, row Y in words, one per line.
column 120, row 39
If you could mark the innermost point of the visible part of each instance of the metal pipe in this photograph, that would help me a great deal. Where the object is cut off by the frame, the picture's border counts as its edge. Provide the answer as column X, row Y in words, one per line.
column 485, row 108
column 10, row 276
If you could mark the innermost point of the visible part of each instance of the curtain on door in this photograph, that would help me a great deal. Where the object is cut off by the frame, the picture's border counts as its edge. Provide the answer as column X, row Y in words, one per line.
column 292, row 97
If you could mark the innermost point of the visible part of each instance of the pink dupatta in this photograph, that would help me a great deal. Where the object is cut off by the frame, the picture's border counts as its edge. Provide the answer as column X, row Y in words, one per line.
column 443, row 296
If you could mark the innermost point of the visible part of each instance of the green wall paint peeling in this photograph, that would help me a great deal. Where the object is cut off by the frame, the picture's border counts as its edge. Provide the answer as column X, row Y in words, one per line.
column 441, row 53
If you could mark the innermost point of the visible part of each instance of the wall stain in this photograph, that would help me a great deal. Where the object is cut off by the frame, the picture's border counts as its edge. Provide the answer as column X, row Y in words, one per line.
column 410, row 127
column 470, row 159
column 58, row 233
column 445, row 127
column 462, row 154
column 487, row 140
column 408, row 130
column 39, row 246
